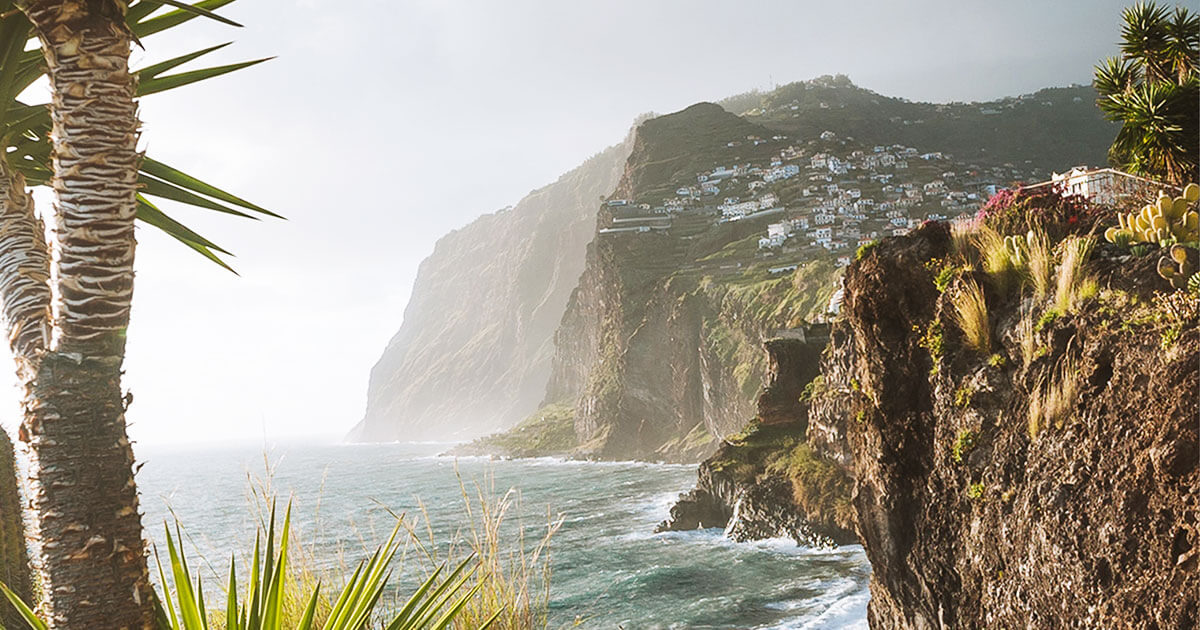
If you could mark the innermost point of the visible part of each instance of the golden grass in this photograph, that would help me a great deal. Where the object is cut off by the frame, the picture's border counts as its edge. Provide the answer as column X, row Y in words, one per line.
column 995, row 258
column 513, row 576
column 1073, row 283
column 1027, row 337
column 1040, row 266
column 1051, row 402
column 962, row 236
column 970, row 309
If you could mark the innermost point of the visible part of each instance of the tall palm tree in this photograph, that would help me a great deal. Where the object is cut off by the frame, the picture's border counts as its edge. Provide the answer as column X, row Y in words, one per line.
column 1153, row 89
column 66, row 300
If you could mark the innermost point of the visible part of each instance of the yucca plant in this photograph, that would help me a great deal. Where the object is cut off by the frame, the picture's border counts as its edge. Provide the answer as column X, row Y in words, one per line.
column 66, row 294
column 259, row 603
column 1153, row 90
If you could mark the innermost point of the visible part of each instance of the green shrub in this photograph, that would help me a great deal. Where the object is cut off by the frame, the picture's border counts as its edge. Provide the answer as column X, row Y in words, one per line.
column 820, row 487
column 963, row 395
column 932, row 341
column 963, row 445
column 864, row 249
column 814, row 389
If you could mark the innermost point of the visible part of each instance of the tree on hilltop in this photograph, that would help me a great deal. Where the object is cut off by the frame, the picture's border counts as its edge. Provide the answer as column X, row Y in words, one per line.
column 1153, row 90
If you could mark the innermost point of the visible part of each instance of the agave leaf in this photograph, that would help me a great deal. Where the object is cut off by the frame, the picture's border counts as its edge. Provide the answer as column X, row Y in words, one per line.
column 310, row 611
column 26, row 613
column 343, row 600
column 231, row 603
column 162, row 579
column 183, row 586
column 406, row 613
column 448, row 617
column 438, row 597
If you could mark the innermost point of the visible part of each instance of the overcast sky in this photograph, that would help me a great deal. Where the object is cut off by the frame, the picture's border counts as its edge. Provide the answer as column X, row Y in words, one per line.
column 383, row 124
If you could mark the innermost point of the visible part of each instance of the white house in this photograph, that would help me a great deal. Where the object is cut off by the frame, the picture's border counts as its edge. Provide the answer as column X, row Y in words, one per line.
column 783, row 228
column 769, row 242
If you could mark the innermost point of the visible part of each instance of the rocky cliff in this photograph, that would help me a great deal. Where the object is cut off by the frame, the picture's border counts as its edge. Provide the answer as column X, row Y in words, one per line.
column 767, row 482
column 473, row 353
column 659, row 349
column 657, row 346
column 1044, row 475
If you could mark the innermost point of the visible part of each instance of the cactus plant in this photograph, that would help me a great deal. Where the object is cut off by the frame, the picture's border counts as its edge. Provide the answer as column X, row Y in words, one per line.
column 1167, row 220
column 1178, row 267
column 1017, row 249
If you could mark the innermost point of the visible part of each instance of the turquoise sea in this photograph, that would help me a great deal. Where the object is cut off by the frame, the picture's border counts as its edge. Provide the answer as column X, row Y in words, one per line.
column 609, row 570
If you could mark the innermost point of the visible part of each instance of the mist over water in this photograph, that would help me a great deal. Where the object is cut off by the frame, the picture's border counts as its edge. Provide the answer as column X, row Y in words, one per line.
column 609, row 568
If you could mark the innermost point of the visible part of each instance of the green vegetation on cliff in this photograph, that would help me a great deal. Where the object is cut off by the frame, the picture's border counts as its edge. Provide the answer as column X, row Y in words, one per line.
column 550, row 431
column 1025, row 129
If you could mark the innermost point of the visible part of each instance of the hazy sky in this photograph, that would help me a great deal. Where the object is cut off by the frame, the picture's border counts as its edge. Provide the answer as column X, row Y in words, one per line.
column 383, row 124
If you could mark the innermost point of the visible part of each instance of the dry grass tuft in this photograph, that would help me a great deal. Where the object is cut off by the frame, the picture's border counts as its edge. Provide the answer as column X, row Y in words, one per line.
column 962, row 237
column 1041, row 262
column 1074, row 284
column 1027, row 338
column 513, row 576
column 1050, row 403
column 970, row 309
column 994, row 258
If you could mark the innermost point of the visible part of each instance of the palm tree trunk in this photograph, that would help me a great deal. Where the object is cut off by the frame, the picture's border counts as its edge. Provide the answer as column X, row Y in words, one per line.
column 25, row 296
column 14, row 559
column 93, row 560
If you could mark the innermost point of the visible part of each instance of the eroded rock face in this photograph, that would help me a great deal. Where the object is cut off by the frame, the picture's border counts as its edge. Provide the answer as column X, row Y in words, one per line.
column 974, row 517
column 793, row 362
column 746, row 487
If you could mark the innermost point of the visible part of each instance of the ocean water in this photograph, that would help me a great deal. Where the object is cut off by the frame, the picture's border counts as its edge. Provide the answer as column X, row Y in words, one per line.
column 609, row 570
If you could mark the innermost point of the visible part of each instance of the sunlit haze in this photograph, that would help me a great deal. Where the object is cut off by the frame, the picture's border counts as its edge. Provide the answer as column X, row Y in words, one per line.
column 380, row 126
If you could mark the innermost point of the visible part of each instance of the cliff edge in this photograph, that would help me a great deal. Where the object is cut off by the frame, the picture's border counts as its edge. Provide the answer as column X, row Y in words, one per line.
column 1047, row 479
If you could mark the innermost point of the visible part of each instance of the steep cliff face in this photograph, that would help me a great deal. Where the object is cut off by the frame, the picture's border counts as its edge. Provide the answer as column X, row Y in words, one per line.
column 473, row 353
column 659, row 350
column 766, row 482
column 1048, row 481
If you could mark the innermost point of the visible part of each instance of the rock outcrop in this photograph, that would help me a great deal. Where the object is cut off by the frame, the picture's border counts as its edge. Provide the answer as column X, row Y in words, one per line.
column 761, row 484
column 1050, row 481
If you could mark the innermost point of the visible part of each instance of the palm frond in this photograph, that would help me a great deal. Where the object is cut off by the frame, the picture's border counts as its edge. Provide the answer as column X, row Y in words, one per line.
column 26, row 128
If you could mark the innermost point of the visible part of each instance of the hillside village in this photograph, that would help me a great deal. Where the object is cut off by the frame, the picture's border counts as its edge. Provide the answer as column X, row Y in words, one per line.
column 825, row 197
